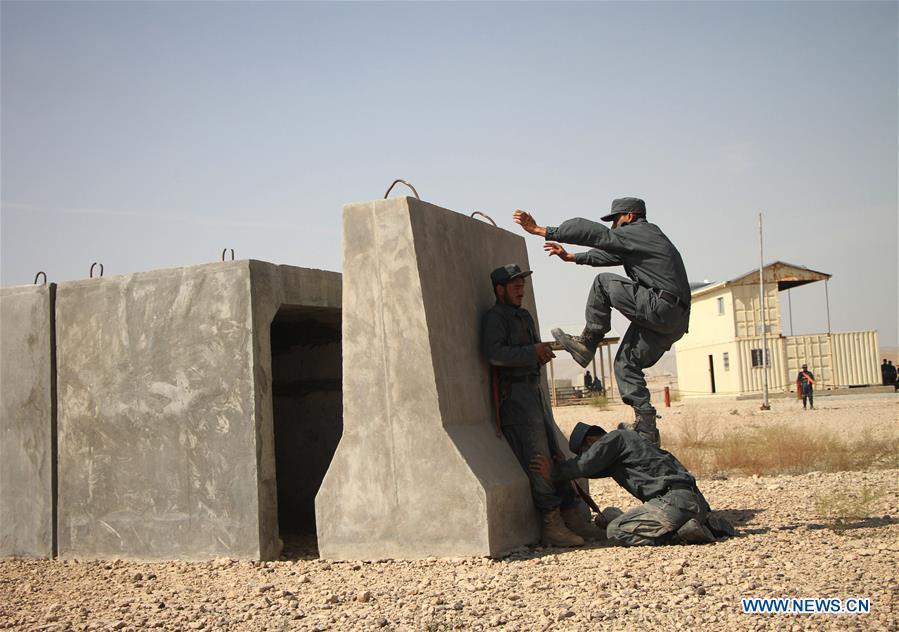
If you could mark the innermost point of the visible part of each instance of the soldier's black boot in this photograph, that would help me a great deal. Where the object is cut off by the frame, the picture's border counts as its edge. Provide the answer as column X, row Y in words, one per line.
column 582, row 348
column 645, row 425
column 694, row 532
column 720, row 526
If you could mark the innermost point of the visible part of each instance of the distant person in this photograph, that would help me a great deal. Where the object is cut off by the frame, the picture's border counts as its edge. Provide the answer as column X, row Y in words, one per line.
column 588, row 381
column 885, row 372
column 805, row 384
column 892, row 377
column 674, row 511
column 655, row 297
column 512, row 345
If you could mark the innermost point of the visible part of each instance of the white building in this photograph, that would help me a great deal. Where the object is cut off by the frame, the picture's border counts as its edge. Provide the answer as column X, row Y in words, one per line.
column 722, row 353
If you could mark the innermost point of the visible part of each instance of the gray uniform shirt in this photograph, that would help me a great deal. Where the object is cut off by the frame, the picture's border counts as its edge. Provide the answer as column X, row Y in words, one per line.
column 636, row 464
column 648, row 256
column 509, row 336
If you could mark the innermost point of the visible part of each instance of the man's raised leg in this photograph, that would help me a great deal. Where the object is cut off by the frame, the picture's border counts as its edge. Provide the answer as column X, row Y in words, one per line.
column 608, row 291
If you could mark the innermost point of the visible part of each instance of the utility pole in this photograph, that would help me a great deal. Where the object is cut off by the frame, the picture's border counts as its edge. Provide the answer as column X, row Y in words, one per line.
column 790, row 305
column 765, row 404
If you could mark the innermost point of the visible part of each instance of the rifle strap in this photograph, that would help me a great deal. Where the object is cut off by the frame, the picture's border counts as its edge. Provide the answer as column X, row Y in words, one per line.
column 494, row 383
column 585, row 496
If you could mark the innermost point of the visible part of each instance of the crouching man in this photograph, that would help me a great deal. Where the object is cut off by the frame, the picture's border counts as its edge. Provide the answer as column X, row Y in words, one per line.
column 673, row 510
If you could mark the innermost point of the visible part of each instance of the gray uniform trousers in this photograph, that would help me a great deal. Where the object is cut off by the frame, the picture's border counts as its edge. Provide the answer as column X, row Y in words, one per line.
column 655, row 520
column 532, row 432
column 655, row 325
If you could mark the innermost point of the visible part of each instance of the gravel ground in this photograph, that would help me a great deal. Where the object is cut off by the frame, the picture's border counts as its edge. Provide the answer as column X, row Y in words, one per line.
column 784, row 548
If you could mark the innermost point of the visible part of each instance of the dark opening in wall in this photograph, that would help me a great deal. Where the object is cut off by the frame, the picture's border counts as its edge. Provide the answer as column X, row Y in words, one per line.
column 308, row 412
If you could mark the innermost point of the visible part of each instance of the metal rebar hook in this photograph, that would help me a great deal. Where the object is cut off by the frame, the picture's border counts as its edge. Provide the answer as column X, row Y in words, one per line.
column 226, row 250
column 39, row 274
column 485, row 216
column 93, row 265
column 396, row 182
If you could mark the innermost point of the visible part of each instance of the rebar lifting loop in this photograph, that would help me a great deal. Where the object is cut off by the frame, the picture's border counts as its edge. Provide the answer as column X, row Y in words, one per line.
column 39, row 274
column 93, row 265
column 226, row 250
column 485, row 216
column 396, row 182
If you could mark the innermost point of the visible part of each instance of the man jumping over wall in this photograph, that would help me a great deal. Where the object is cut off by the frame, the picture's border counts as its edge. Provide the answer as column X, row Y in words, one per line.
column 655, row 297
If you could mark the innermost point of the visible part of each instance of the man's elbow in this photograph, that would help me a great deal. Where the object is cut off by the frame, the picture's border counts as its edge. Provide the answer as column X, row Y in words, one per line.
column 500, row 361
column 495, row 358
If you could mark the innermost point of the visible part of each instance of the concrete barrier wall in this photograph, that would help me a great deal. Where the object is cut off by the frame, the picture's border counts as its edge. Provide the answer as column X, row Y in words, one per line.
column 171, row 400
column 26, row 421
column 157, row 444
column 165, row 410
column 419, row 471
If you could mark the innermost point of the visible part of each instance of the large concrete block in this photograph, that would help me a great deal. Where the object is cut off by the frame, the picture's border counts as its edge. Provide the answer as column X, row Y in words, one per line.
column 26, row 421
column 419, row 471
column 167, row 422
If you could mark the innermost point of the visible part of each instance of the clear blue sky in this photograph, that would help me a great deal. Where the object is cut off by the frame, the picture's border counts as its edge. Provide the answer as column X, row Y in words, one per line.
column 149, row 135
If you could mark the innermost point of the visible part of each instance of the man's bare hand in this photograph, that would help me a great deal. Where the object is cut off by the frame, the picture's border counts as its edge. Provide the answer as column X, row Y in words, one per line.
column 544, row 352
column 552, row 248
column 542, row 466
column 527, row 222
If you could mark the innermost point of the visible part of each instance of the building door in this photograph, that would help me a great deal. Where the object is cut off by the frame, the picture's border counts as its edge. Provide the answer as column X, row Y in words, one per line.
column 712, row 372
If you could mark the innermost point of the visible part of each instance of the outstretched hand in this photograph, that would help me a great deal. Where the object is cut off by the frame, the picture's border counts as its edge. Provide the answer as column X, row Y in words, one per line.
column 542, row 466
column 544, row 352
column 552, row 248
column 528, row 223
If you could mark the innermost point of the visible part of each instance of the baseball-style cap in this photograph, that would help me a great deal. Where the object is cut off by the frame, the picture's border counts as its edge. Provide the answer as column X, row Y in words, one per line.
column 508, row 272
column 625, row 205
column 579, row 434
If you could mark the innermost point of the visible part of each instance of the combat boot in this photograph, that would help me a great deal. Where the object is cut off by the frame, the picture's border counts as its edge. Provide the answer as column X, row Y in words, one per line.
column 645, row 425
column 720, row 526
column 582, row 348
column 694, row 532
column 610, row 513
column 577, row 521
column 555, row 533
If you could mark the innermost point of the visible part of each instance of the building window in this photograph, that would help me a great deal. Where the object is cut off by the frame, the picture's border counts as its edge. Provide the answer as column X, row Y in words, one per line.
column 757, row 358
column 721, row 306
column 726, row 358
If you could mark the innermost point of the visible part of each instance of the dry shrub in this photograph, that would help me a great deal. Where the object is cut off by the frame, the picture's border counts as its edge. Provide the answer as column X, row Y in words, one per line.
column 694, row 431
column 780, row 450
column 690, row 441
column 845, row 505
column 600, row 401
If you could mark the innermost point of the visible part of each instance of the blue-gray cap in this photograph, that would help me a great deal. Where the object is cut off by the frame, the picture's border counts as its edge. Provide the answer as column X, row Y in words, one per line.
column 625, row 205
column 506, row 273
column 580, row 432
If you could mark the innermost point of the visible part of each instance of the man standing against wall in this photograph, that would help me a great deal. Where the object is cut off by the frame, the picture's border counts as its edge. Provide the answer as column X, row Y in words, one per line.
column 516, row 355
column 655, row 297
